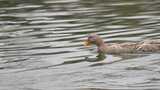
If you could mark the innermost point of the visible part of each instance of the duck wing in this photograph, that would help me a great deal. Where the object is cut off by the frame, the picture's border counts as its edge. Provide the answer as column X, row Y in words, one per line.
column 149, row 46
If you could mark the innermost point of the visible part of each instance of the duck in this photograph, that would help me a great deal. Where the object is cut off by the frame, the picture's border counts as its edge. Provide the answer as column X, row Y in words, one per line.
column 120, row 48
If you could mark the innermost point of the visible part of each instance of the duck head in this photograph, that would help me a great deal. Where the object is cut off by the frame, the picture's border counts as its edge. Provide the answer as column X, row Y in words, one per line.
column 93, row 39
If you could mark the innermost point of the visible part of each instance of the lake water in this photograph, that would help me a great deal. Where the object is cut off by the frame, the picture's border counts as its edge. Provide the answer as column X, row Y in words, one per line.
column 41, row 44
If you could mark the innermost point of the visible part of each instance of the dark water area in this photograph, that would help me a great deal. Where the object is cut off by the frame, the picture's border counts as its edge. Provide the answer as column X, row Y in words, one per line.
column 41, row 44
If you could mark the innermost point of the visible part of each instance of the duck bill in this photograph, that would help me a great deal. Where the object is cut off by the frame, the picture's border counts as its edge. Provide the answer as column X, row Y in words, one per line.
column 87, row 43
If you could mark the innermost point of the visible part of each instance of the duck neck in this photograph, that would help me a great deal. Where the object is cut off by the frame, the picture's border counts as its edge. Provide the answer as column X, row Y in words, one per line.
column 100, row 43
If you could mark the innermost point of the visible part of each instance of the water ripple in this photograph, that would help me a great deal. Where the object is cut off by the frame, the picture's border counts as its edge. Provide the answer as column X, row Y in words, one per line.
column 41, row 44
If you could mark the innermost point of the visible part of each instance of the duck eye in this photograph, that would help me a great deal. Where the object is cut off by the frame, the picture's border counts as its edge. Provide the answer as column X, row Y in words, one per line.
column 92, row 38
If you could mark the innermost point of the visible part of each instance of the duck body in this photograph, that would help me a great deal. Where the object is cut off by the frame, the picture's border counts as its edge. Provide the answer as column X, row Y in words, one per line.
column 127, row 47
column 115, row 48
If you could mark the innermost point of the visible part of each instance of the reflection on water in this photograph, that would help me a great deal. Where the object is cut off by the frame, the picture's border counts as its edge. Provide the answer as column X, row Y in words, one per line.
column 41, row 44
column 99, row 57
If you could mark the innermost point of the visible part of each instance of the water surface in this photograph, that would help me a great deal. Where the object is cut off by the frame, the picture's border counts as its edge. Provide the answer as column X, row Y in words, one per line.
column 41, row 44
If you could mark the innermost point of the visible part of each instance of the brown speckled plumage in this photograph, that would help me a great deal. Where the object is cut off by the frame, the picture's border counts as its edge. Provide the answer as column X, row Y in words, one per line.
column 128, row 47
